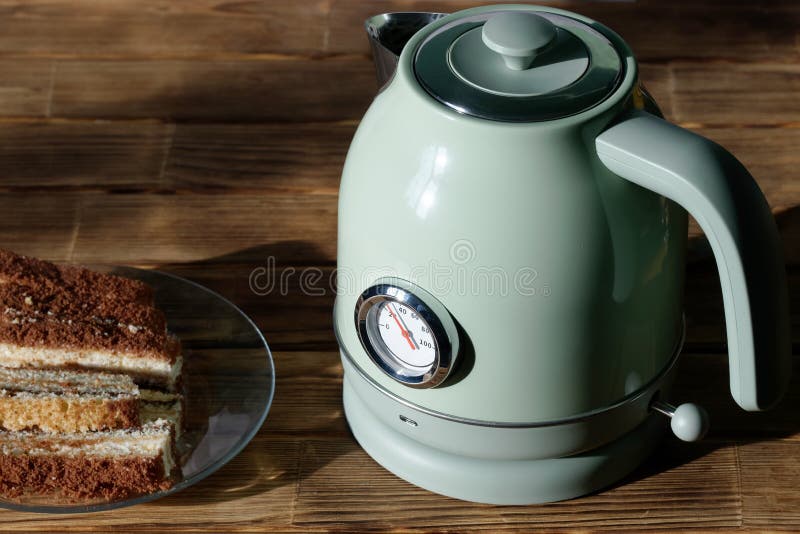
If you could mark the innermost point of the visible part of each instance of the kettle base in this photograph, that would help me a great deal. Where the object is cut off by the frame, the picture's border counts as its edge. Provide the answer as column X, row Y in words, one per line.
column 498, row 481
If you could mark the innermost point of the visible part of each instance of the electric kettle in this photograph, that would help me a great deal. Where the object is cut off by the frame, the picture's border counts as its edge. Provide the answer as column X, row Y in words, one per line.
column 511, row 247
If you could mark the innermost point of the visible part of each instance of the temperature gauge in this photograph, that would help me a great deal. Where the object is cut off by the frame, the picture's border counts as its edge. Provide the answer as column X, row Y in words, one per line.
column 409, row 335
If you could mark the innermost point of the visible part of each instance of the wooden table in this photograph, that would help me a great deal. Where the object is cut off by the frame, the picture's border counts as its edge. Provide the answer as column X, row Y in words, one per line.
column 205, row 138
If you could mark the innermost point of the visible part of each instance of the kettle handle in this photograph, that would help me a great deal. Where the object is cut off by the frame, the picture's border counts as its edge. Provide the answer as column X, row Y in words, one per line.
column 716, row 189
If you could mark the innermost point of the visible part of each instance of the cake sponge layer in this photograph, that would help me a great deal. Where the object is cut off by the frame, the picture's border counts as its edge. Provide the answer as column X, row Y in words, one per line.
column 52, row 413
column 82, row 477
column 66, row 401
column 110, row 465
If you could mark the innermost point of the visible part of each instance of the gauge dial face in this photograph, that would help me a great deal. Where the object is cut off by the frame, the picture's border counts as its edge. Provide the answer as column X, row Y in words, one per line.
column 406, row 335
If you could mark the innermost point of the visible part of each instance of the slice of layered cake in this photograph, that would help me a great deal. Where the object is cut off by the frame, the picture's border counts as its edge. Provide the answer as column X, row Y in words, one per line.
column 58, row 317
column 99, row 465
column 88, row 380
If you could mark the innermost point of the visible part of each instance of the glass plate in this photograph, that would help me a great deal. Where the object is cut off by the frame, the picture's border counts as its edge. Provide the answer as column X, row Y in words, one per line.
column 229, row 382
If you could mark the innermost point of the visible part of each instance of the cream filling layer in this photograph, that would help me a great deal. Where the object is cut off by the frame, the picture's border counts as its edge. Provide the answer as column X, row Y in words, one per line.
column 152, row 439
column 67, row 382
column 83, row 396
column 15, row 356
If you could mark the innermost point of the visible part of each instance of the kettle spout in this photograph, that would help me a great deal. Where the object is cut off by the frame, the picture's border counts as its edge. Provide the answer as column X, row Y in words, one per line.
column 388, row 34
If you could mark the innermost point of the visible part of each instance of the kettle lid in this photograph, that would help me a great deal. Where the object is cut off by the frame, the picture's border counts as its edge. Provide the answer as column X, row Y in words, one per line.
column 518, row 65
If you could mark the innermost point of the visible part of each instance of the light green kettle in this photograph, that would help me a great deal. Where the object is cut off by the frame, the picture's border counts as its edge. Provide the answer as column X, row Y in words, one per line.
column 512, row 239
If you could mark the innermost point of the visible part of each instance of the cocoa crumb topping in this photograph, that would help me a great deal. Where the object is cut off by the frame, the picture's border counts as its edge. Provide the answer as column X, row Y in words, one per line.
column 77, row 281
column 51, row 306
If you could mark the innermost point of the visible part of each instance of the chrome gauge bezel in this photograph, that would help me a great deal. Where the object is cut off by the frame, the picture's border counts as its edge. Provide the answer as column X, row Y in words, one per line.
column 366, row 317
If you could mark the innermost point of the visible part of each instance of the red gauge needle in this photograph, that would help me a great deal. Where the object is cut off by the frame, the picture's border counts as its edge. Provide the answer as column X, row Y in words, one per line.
column 403, row 331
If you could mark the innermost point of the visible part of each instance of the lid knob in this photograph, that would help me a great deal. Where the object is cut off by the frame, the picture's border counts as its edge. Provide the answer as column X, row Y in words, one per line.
column 518, row 37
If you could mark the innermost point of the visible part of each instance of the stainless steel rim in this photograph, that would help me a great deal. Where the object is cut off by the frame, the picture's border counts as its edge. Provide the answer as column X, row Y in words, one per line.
column 603, row 76
column 631, row 397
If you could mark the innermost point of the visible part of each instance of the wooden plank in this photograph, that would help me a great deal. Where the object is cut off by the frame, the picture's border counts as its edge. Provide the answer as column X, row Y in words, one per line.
column 204, row 29
column 724, row 93
column 288, row 314
column 683, row 486
column 309, row 408
column 105, row 155
column 151, row 28
column 761, row 30
column 310, row 399
column 769, row 476
column 309, row 157
column 679, row 488
column 709, row 95
column 771, row 157
column 719, row 93
column 254, row 492
column 657, row 79
column 275, row 158
column 159, row 229
column 280, row 157
column 39, row 225
column 730, row 93
column 246, row 91
column 25, row 87
column 289, row 90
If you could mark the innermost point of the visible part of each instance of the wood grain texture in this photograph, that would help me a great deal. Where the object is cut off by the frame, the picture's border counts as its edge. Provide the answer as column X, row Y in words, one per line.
column 254, row 492
column 266, row 158
column 44, row 226
column 288, row 90
column 206, row 138
column 90, row 155
column 272, row 158
column 718, row 93
column 155, row 28
column 193, row 227
column 26, row 87
column 770, row 499
column 246, row 91
column 212, row 28
column 344, row 488
column 683, row 29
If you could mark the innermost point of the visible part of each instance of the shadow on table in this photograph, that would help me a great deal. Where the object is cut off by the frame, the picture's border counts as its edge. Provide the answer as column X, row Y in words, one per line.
column 703, row 368
column 277, row 458
column 298, row 327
